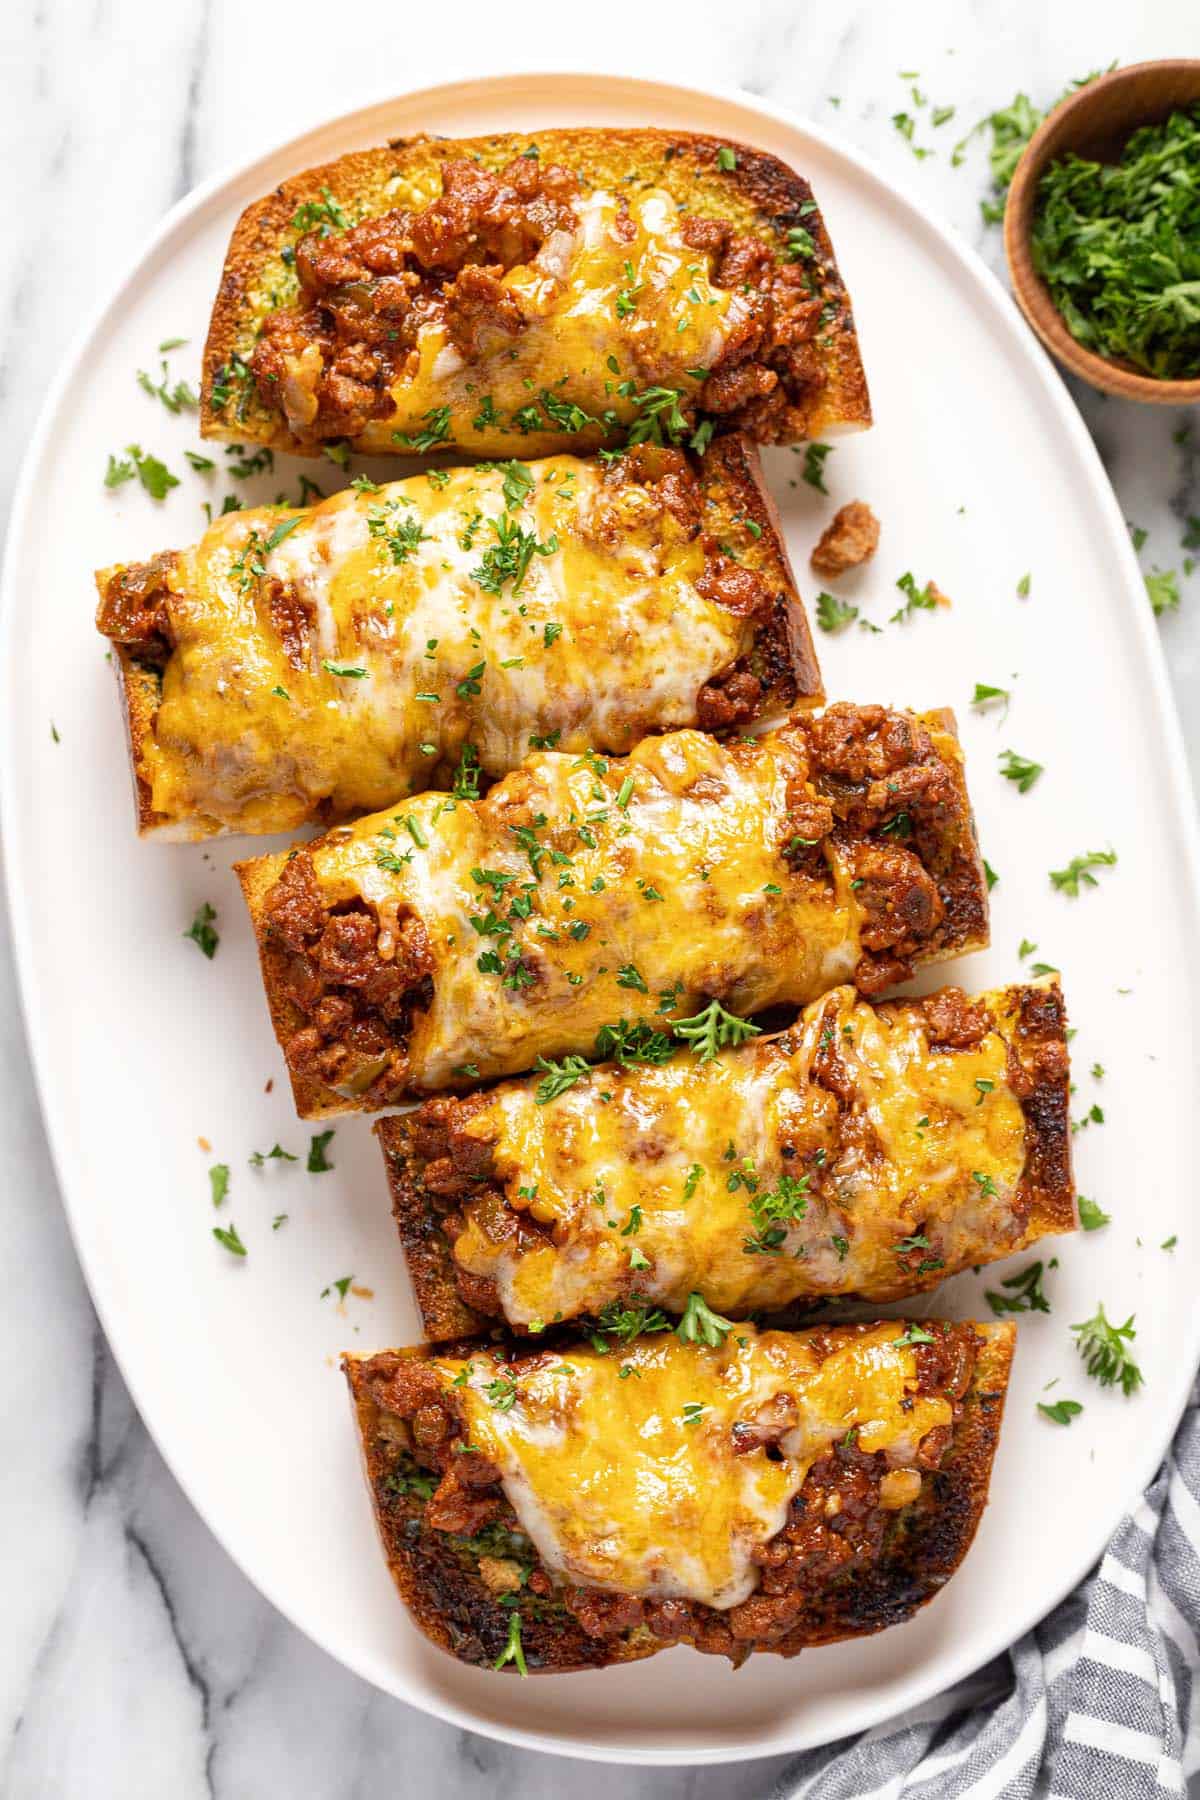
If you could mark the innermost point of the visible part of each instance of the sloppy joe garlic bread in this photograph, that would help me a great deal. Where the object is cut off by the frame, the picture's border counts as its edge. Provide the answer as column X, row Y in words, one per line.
column 516, row 295
column 452, row 941
column 564, row 1509
column 869, row 1151
column 314, row 664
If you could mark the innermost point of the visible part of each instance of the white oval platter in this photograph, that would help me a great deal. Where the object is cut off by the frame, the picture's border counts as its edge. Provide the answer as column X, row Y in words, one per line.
column 982, row 473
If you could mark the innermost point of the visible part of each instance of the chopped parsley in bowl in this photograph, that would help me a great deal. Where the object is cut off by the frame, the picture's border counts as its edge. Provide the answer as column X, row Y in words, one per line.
column 1118, row 246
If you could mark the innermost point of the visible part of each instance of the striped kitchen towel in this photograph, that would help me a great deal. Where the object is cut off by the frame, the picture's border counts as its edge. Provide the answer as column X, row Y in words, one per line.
column 1100, row 1702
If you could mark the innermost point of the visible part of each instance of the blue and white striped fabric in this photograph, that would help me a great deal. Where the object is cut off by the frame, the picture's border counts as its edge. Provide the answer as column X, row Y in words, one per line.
column 1100, row 1702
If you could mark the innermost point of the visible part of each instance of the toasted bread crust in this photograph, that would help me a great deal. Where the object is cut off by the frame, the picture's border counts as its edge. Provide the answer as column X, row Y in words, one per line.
column 1045, row 1196
column 760, row 196
column 925, row 1544
column 731, row 488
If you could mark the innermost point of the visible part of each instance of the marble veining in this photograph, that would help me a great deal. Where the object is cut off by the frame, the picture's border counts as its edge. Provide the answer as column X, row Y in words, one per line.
column 136, row 1660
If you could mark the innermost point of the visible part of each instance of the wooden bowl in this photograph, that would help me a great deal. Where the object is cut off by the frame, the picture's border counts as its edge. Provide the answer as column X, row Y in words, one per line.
column 1095, row 122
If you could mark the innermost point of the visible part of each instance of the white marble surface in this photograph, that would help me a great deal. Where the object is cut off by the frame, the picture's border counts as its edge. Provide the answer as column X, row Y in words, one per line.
column 135, row 1660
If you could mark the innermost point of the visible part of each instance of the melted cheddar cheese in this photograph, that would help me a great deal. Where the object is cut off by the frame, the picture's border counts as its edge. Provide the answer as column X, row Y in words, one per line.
column 584, row 891
column 405, row 657
column 665, row 1170
column 622, row 288
column 621, row 1469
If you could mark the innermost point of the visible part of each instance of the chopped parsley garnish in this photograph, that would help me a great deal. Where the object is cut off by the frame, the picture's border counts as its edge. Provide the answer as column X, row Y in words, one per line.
column 627, row 296
column 639, row 1043
column 276, row 1153
column 1104, row 1349
column 915, row 1334
column 727, row 159
column 693, row 1180
column 1162, row 587
column 915, row 599
column 1062, row 1412
column 814, row 465
column 692, row 1412
column 905, row 124
column 201, row 932
column 629, row 977
column 1115, row 243
column 518, row 483
column 712, row 1029
column 342, row 1285
column 218, row 1182
column 436, row 431
column 833, row 614
column 281, row 531
column 400, row 532
column 986, row 695
column 325, row 215
column 627, row 1321
column 349, row 671
column 773, row 1211
column 175, row 398
column 227, row 1237
column 1019, row 769
column 564, row 413
column 513, row 1651
column 1012, row 126
column 990, row 875
column 154, row 475
column 243, row 463
column 700, row 1325
column 318, row 1162
column 1078, row 870
column 660, row 419
column 1023, row 1292
column 557, row 1077
column 1091, row 1216
column 502, row 1393
column 508, row 559
column 487, row 417
column 235, row 375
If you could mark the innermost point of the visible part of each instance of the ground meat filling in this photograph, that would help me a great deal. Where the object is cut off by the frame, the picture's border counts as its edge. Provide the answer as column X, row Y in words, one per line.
column 886, row 803
column 850, row 539
column 454, row 1166
column 731, row 699
column 330, row 361
column 954, row 1022
column 355, row 979
column 838, row 1523
column 134, row 609
column 770, row 361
